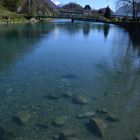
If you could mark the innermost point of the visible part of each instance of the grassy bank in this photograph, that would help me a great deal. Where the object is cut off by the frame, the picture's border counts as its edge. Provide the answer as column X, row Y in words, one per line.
column 10, row 17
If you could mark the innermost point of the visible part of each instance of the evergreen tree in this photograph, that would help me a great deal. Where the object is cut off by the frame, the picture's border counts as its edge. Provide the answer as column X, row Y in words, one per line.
column 107, row 13
column 87, row 7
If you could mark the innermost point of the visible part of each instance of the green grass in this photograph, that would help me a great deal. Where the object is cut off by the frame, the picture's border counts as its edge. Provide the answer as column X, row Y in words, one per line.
column 14, row 17
column 6, row 13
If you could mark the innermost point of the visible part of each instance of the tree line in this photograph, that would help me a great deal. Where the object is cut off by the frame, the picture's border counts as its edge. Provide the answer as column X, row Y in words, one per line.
column 12, row 5
column 131, row 6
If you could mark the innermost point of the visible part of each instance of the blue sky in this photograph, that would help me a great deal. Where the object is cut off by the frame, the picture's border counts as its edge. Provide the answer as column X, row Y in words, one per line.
column 96, row 4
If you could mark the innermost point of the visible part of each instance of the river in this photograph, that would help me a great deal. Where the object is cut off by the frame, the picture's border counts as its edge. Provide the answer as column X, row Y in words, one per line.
column 55, row 75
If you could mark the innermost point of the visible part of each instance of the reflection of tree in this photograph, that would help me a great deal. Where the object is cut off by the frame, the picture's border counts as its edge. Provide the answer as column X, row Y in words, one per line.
column 69, row 27
column 99, row 27
column 103, row 27
column 106, row 28
column 17, row 40
column 134, row 37
column 86, row 28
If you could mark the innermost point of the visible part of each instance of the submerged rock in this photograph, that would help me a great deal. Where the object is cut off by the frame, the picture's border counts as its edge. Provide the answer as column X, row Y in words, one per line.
column 60, row 121
column 88, row 114
column 112, row 118
column 70, row 76
column 81, row 100
column 24, row 117
column 67, row 134
column 97, row 126
column 102, row 111
column 137, row 137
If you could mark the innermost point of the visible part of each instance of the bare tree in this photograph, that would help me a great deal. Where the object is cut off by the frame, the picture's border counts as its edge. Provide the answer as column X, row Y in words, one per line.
column 131, row 6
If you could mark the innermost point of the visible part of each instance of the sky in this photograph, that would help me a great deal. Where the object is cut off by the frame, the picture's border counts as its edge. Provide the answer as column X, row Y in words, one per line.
column 95, row 4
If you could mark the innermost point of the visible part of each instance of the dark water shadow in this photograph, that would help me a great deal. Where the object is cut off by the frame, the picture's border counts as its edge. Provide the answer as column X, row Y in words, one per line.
column 106, row 28
column 86, row 28
column 17, row 121
column 17, row 40
column 93, row 130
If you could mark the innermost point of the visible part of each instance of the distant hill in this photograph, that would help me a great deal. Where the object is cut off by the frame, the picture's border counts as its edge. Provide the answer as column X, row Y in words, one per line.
column 37, row 5
column 51, row 4
column 23, row 6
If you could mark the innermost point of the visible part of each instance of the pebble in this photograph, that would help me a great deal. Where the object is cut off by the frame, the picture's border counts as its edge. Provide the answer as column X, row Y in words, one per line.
column 112, row 118
column 102, row 111
column 86, row 115
column 24, row 116
column 81, row 100
column 60, row 121
column 137, row 137
column 67, row 134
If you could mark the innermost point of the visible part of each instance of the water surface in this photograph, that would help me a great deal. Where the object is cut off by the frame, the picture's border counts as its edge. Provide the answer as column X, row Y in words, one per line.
column 97, row 61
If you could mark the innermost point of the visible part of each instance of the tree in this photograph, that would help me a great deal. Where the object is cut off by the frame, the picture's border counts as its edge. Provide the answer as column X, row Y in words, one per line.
column 107, row 13
column 73, row 7
column 87, row 7
column 12, row 5
column 132, row 6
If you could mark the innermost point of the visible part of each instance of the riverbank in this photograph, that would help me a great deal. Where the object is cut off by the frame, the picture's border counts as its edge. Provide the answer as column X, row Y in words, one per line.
column 132, row 26
column 7, row 16
column 127, row 25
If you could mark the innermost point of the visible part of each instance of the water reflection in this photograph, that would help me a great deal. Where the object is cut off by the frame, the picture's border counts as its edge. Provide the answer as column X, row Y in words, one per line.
column 134, row 39
column 106, row 28
column 16, row 40
column 86, row 28
column 48, row 63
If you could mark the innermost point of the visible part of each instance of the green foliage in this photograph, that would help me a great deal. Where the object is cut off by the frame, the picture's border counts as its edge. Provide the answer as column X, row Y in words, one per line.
column 12, row 5
column 107, row 13
column 125, row 19
column 116, row 20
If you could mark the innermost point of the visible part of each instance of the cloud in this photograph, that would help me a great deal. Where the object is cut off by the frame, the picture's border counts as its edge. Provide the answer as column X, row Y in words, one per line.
column 57, row 2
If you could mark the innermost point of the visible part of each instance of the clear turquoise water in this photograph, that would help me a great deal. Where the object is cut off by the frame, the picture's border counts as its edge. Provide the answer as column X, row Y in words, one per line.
column 37, row 60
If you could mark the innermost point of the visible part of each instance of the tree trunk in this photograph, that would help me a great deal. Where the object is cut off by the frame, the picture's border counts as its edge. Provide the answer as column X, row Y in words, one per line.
column 134, row 12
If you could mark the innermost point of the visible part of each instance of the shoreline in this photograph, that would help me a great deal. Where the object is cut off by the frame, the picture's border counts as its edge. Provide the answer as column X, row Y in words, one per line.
column 22, row 20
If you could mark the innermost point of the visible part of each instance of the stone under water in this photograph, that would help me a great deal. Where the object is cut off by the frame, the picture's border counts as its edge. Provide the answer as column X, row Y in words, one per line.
column 67, row 134
column 60, row 121
column 98, row 127
column 81, row 100
column 24, row 117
